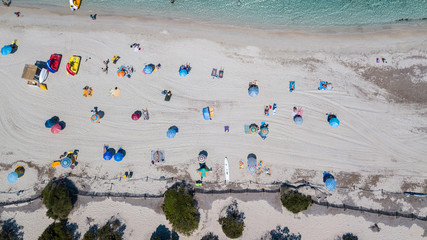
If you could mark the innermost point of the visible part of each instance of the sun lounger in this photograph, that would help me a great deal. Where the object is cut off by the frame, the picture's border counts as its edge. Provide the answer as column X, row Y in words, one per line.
column 221, row 73
column 116, row 92
column 213, row 74
column 115, row 58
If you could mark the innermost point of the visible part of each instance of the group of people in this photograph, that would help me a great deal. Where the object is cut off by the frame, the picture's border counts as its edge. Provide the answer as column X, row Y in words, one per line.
column 136, row 47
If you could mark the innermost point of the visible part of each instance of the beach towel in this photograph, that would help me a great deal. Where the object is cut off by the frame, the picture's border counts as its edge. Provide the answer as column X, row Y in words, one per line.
column 115, row 58
column 291, row 86
column 246, row 127
column 241, row 164
column 116, row 92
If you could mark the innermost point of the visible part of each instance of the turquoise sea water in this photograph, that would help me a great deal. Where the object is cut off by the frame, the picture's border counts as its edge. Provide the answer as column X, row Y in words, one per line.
column 261, row 13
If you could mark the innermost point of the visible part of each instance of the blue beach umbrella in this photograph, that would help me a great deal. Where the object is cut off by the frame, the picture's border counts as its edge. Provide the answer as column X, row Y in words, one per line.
column 334, row 122
column 49, row 123
column 171, row 132
column 298, row 120
column 330, row 184
column 118, row 156
column 12, row 177
column 148, row 69
column 183, row 72
column 253, row 91
column 264, row 131
column 6, row 50
column 66, row 162
column 108, row 155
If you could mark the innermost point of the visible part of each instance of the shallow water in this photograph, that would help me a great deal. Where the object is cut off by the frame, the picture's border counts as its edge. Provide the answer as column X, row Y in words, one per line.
column 274, row 14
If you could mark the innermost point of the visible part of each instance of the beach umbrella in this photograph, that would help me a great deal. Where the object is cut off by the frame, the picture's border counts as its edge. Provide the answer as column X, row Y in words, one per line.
column 49, row 123
column 334, row 122
column 12, row 177
column 253, row 91
column 66, row 162
column 253, row 128
column 298, row 120
column 202, row 158
column 171, row 132
column 264, row 131
column 121, row 73
column 6, row 50
column 56, row 128
column 20, row 170
column 108, row 155
column 136, row 116
column 118, row 156
column 203, row 170
column 148, row 69
column 330, row 184
column 183, row 72
column 94, row 117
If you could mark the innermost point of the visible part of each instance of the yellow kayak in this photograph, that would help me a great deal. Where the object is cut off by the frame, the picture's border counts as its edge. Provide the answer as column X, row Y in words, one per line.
column 73, row 65
column 75, row 4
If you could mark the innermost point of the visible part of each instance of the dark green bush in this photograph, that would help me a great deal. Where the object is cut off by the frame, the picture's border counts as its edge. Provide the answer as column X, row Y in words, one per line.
column 180, row 209
column 112, row 230
column 210, row 236
column 59, row 196
column 349, row 236
column 294, row 201
column 10, row 230
column 232, row 224
column 56, row 231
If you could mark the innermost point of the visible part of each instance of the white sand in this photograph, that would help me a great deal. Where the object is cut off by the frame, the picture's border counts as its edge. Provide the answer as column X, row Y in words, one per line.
column 377, row 136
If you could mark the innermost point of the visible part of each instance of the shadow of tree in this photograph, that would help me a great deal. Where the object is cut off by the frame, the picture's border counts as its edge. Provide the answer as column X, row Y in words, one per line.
column 210, row 236
column 163, row 233
column 11, row 230
column 72, row 228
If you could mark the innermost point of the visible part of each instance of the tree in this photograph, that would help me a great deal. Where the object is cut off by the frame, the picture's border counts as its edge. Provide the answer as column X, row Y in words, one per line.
column 210, row 236
column 10, row 230
column 180, row 209
column 294, row 201
column 56, row 231
column 59, row 197
column 112, row 230
column 349, row 236
column 232, row 224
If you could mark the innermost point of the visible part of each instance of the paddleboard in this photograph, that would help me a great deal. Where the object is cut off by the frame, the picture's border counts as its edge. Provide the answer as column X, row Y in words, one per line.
column 227, row 170
column 274, row 109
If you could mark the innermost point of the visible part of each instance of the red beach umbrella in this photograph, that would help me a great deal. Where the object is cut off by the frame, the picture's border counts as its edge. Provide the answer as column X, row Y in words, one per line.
column 56, row 128
column 136, row 116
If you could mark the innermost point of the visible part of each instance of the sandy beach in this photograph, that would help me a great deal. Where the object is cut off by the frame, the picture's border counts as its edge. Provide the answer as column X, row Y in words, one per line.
column 379, row 145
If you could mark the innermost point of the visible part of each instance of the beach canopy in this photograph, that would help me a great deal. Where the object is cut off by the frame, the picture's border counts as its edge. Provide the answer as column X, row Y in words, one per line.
column 6, row 50
column 49, row 123
column 253, row 91
column 206, row 114
column 252, row 163
column 56, row 128
column 172, row 131
column 298, row 120
column 253, row 128
column 136, row 115
column 330, row 184
column 334, row 122
column 183, row 72
column 108, row 155
column 148, row 69
column 66, row 162
column 12, row 177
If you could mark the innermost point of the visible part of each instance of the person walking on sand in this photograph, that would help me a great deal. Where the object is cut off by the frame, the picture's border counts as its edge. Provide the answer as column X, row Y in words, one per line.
column 17, row 14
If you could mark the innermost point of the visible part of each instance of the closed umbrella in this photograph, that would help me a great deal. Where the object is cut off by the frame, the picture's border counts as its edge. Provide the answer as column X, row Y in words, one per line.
column 253, row 91
column 183, row 72
column 12, row 177
column 6, row 50
column 298, row 120
column 330, row 184
column 66, row 162
column 136, row 116
column 148, row 69
column 56, row 128
column 334, row 122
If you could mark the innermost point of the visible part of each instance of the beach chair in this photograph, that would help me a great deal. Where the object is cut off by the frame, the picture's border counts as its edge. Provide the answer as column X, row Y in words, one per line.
column 90, row 92
column 221, row 73
column 213, row 73
column 226, row 129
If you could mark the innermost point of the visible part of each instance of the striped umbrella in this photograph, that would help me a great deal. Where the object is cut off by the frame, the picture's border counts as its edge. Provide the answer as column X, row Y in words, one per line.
column 94, row 117
column 253, row 128
column 66, row 162
column 202, row 158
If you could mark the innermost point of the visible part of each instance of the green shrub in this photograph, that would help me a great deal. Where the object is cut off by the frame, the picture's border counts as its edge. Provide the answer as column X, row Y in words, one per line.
column 10, row 230
column 294, row 201
column 112, row 230
column 210, row 236
column 56, row 231
column 180, row 209
column 232, row 224
column 349, row 236
column 58, row 198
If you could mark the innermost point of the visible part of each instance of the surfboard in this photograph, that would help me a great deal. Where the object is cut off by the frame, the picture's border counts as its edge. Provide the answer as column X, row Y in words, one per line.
column 227, row 170
column 274, row 109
